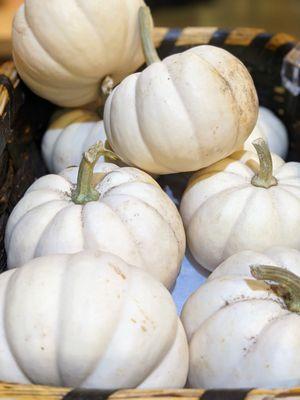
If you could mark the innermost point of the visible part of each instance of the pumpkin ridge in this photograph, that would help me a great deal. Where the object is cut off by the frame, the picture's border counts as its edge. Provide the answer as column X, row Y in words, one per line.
column 135, row 240
column 25, row 215
column 53, row 57
column 7, row 239
column 148, row 145
column 87, row 17
column 70, row 261
column 185, row 107
column 29, row 73
column 206, row 175
column 236, row 222
column 157, row 213
column 114, row 331
column 127, row 228
column 229, row 86
column 41, row 238
column 266, row 327
column 161, row 360
column 229, row 190
column 14, row 275
column 237, row 301
column 278, row 201
column 61, row 137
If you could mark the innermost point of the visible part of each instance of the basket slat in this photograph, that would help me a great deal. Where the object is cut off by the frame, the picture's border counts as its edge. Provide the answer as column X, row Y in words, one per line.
column 35, row 392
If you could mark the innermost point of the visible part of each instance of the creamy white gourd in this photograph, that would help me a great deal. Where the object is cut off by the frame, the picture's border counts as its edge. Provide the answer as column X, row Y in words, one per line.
column 183, row 113
column 68, row 136
column 99, row 207
column 242, row 203
column 65, row 50
column 242, row 332
column 89, row 320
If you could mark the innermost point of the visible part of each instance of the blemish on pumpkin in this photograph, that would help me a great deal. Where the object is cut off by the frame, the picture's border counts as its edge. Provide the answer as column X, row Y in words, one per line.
column 133, row 320
column 118, row 271
column 144, row 328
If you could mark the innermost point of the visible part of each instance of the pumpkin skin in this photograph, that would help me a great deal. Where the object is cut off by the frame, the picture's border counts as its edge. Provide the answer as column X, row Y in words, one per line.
column 270, row 128
column 133, row 219
column 170, row 113
column 69, row 135
column 224, row 213
column 91, row 40
column 240, row 332
column 127, row 330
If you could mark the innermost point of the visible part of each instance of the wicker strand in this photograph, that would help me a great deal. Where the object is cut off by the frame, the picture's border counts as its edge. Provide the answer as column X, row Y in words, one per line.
column 7, row 69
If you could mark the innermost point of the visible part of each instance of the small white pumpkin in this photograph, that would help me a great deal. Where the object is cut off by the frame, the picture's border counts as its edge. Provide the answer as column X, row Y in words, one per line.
column 237, row 204
column 181, row 114
column 69, row 135
column 270, row 128
column 63, row 50
column 89, row 320
column 119, row 210
column 241, row 332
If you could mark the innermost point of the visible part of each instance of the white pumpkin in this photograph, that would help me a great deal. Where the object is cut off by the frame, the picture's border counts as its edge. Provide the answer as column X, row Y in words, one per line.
column 184, row 113
column 241, row 333
column 237, row 205
column 63, row 50
column 126, row 214
column 89, row 320
column 270, row 128
column 69, row 135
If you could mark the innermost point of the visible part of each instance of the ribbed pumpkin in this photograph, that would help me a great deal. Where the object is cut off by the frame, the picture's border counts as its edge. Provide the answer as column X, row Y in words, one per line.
column 181, row 114
column 68, row 136
column 89, row 320
column 119, row 210
column 243, row 333
column 64, row 50
column 241, row 203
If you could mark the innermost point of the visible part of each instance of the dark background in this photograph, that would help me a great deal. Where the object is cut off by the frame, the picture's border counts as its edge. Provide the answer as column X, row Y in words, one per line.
column 272, row 15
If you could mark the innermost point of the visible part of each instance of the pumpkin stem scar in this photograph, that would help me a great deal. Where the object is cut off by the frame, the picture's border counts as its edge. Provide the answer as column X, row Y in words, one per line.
column 287, row 284
column 85, row 191
column 264, row 178
column 146, row 28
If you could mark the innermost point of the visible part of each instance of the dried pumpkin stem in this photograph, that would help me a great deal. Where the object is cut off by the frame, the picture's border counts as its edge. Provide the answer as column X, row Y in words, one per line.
column 264, row 178
column 287, row 284
column 85, row 191
column 146, row 28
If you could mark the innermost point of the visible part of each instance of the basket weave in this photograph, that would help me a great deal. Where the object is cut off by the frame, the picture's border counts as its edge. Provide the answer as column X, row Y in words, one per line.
column 26, row 116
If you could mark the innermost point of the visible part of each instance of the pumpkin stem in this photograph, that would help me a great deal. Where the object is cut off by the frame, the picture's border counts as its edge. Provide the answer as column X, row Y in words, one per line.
column 146, row 28
column 287, row 284
column 85, row 192
column 264, row 178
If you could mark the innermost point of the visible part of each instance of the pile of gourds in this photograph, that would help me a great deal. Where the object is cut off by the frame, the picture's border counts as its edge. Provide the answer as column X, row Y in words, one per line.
column 94, row 248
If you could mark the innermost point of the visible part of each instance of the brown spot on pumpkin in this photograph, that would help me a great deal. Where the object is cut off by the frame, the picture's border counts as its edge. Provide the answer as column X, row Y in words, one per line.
column 118, row 271
column 133, row 320
column 144, row 328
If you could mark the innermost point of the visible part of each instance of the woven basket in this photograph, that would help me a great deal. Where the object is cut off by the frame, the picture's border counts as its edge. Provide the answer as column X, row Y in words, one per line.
column 24, row 117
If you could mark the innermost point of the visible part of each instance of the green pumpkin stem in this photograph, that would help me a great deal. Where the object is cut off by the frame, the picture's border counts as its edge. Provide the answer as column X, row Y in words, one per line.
column 85, row 192
column 287, row 284
column 146, row 28
column 264, row 178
